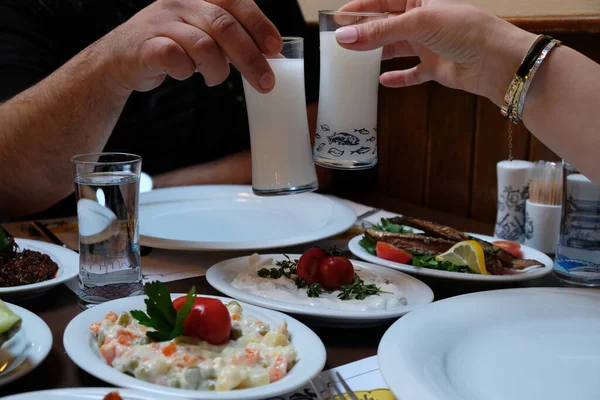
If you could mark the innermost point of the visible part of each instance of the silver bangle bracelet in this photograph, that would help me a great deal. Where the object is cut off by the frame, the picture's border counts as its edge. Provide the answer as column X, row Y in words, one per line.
column 531, row 74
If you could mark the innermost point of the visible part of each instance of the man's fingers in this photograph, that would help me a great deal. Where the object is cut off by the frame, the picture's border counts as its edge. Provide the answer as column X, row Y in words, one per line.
column 202, row 49
column 235, row 42
column 408, row 77
column 264, row 33
column 162, row 55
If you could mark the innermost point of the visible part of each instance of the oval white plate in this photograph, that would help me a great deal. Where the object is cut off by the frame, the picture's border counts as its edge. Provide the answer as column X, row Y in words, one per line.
column 83, row 350
column 528, row 253
column 38, row 338
column 417, row 293
column 68, row 268
column 86, row 394
column 517, row 344
column 224, row 217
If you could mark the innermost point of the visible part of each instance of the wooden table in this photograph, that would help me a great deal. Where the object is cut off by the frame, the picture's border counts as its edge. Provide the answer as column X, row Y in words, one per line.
column 59, row 306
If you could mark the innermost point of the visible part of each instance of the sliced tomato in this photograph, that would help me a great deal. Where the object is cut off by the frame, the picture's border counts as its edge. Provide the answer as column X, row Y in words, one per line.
column 513, row 248
column 308, row 264
column 335, row 272
column 209, row 320
column 390, row 252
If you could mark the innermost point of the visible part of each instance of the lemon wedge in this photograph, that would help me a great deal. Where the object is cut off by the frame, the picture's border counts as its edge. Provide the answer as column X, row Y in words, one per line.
column 469, row 253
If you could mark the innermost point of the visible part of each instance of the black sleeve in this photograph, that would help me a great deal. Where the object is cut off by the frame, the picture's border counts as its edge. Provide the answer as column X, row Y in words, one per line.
column 287, row 17
column 28, row 45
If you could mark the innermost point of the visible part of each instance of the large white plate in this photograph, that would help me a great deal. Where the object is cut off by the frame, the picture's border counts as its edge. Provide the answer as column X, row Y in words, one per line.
column 517, row 344
column 233, row 218
column 417, row 293
column 68, row 268
column 83, row 350
column 85, row 394
column 528, row 253
column 38, row 341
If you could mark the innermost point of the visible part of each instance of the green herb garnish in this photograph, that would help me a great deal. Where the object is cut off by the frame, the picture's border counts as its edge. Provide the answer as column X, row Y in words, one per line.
column 315, row 290
column 429, row 261
column 387, row 226
column 358, row 290
column 160, row 314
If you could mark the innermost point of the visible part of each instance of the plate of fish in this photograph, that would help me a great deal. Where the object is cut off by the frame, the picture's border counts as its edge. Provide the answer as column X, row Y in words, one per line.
column 326, row 289
column 227, row 217
column 25, row 341
column 196, row 347
column 28, row 268
column 429, row 249
column 517, row 344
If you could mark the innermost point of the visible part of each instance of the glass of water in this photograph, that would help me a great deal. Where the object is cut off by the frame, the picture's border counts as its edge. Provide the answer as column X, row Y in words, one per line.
column 279, row 138
column 346, row 135
column 107, row 186
column 577, row 259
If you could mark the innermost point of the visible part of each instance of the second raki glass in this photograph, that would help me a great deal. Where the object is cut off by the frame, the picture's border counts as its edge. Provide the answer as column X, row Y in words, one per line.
column 346, row 136
column 279, row 138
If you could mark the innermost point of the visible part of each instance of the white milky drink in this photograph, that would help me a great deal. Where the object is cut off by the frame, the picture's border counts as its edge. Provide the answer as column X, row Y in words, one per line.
column 279, row 138
column 347, row 123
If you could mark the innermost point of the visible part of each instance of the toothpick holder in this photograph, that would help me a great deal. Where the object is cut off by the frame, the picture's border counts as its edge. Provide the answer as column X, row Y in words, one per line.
column 542, row 226
column 513, row 191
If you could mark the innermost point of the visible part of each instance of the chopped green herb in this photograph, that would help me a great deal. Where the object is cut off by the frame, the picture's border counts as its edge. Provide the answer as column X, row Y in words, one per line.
column 286, row 268
column 160, row 313
column 264, row 273
column 300, row 283
column 315, row 290
column 358, row 290
column 4, row 242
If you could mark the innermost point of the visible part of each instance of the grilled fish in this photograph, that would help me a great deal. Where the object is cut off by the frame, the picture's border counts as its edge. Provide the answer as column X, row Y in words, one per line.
column 416, row 243
column 445, row 232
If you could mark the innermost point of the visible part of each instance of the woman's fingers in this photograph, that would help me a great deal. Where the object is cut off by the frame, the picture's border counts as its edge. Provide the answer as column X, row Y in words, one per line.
column 407, row 77
column 398, row 49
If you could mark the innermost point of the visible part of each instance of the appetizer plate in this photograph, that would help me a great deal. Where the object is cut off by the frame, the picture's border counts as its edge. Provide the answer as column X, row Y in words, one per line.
column 68, row 268
column 221, row 275
column 27, row 349
column 528, row 253
column 83, row 350
column 518, row 344
column 224, row 217
column 86, row 394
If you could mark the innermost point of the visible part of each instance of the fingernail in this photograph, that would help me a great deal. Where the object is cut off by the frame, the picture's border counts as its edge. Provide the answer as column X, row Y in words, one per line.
column 347, row 34
column 273, row 45
column 267, row 81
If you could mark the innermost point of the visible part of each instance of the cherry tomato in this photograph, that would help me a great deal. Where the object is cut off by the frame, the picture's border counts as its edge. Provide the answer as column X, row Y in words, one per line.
column 513, row 248
column 308, row 264
column 209, row 320
column 390, row 252
column 335, row 272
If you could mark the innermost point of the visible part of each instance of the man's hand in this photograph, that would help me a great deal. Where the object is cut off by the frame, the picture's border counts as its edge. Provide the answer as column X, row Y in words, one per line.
column 180, row 37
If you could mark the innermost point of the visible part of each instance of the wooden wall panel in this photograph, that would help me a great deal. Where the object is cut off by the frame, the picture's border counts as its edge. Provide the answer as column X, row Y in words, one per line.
column 402, row 138
column 491, row 146
column 450, row 149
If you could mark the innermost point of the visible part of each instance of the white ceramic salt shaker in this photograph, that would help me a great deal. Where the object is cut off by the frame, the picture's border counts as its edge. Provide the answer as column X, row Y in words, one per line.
column 542, row 226
column 513, row 192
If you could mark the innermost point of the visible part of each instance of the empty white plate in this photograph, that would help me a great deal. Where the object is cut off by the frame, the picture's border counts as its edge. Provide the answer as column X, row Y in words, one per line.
column 223, row 217
column 85, row 394
column 517, row 344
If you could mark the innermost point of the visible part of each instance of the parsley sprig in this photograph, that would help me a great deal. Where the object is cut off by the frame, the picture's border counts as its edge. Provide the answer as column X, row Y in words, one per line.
column 160, row 314
column 358, row 290
column 4, row 242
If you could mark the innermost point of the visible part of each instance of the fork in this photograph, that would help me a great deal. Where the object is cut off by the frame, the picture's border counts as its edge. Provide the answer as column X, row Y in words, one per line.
column 336, row 390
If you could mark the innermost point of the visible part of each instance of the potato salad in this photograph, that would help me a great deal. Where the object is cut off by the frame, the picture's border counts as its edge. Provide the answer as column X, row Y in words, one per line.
column 254, row 355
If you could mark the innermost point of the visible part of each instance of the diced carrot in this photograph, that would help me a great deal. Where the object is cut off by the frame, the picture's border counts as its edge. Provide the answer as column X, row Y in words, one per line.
column 95, row 327
column 169, row 349
column 111, row 316
column 279, row 369
column 108, row 352
column 251, row 356
column 235, row 317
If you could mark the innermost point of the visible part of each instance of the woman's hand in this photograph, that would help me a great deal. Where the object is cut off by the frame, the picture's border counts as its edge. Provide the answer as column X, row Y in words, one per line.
column 460, row 46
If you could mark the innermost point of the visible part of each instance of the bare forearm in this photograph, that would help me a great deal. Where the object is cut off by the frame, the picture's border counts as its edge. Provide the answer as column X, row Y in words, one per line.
column 71, row 111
